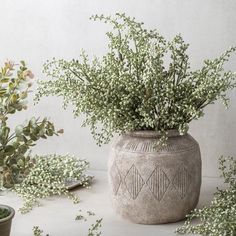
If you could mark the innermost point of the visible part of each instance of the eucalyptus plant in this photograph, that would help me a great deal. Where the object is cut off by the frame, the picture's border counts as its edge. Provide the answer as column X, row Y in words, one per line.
column 15, row 162
column 218, row 219
column 143, row 82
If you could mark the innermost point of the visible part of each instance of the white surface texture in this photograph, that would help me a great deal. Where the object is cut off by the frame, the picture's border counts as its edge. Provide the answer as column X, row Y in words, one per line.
column 57, row 215
column 36, row 30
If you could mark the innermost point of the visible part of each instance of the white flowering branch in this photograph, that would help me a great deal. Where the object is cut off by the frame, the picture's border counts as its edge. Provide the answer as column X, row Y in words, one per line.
column 219, row 218
column 143, row 82
column 48, row 177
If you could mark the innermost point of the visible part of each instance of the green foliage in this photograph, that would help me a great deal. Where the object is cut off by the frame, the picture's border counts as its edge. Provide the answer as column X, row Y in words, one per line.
column 218, row 219
column 144, row 82
column 14, row 145
column 94, row 229
column 48, row 177
column 4, row 213
column 37, row 231
column 82, row 217
column 90, row 213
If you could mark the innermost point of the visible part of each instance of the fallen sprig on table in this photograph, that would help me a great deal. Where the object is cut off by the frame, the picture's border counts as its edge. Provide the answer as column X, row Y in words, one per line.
column 218, row 219
column 48, row 177
column 94, row 229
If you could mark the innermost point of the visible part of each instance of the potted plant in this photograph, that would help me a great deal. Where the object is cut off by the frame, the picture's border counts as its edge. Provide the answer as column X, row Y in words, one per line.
column 144, row 90
column 6, row 215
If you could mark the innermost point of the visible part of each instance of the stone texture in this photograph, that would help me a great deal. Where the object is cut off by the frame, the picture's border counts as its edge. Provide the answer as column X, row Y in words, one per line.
column 150, row 185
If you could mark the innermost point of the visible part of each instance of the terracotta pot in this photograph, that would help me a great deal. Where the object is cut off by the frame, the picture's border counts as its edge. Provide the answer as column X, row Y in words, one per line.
column 5, row 223
column 150, row 185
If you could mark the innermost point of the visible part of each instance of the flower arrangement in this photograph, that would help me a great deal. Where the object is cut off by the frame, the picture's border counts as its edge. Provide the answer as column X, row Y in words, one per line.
column 220, row 217
column 144, row 82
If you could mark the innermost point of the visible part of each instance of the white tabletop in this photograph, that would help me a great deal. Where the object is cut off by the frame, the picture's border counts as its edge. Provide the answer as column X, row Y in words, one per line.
column 57, row 215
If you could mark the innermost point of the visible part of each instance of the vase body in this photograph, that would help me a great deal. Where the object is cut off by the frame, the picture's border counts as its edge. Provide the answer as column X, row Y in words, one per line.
column 5, row 223
column 151, row 185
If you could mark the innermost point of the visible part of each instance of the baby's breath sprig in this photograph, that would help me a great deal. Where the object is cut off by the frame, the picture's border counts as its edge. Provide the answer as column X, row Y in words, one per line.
column 48, row 177
column 143, row 82
column 218, row 219
column 38, row 232
column 94, row 229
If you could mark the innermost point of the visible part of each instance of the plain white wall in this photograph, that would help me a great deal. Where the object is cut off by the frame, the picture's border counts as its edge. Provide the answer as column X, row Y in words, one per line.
column 39, row 30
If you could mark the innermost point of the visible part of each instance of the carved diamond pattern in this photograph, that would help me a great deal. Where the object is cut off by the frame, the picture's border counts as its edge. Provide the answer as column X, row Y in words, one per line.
column 158, row 183
column 115, row 178
column 134, row 182
column 182, row 181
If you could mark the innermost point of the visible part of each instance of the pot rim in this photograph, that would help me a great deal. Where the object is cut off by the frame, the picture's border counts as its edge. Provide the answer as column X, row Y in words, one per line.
column 153, row 133
column 12, row 213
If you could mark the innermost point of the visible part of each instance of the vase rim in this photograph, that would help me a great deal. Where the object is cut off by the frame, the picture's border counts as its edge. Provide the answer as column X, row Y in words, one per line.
column 153, row 133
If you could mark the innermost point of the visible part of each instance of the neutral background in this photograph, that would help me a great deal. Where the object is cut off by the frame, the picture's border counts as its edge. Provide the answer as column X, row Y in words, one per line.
column 38, row 30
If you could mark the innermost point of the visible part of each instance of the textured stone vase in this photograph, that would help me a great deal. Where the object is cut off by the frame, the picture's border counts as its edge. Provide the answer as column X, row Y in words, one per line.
column 150, row 185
